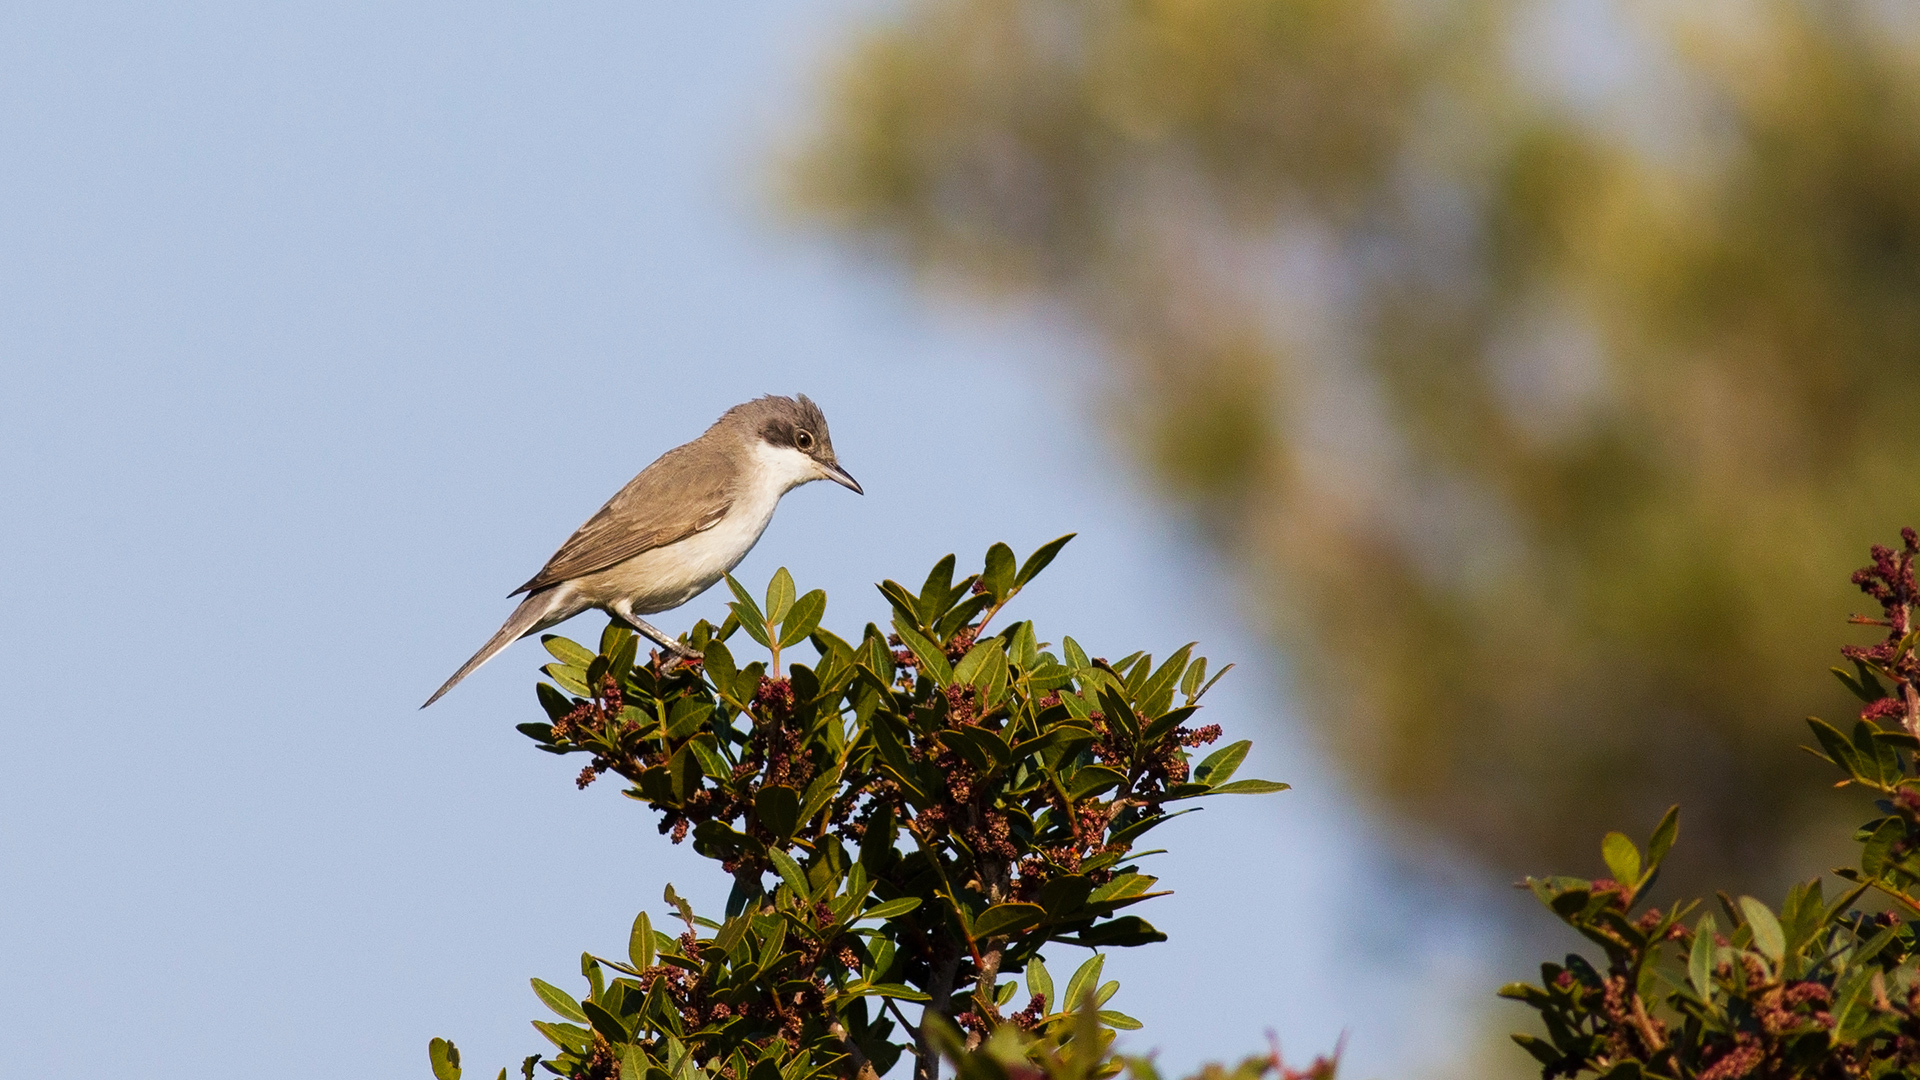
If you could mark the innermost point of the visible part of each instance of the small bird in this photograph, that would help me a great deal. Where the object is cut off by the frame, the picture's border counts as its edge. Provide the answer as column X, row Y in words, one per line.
column 678, row 527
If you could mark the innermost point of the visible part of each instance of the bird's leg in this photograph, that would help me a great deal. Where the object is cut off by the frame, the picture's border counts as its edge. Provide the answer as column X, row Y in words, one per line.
column 658, row 635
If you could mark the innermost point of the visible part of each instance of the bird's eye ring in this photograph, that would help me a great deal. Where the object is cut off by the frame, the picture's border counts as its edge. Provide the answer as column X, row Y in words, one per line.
column 803, row 439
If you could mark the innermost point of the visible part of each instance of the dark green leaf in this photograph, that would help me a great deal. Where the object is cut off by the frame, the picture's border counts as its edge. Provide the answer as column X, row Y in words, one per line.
column 565, row 1036
column 1094, row 779
column 1038, row 561
column 1220, row 765
column 571, row 679
column 892, row 909
column 1124, row 885
column 1874, row 945
column 998, row 576
column 789, row 872
column 1190, row 681
column 890, row 990
column 971, row 664
column 640, row 943
column 1022, row 646
column 1040, row 983
column 559, row 1001
column 1005, row 994
column 746, row 609
column 553, row 701
column 1838, row 749
column 732, row 934
column 1003, row 920
column 755, row 628
column 1129, row 832
column 819, row 793
column 1874, row 746
column 567, row 651
column 933, row 662
column 1156, row 694
column 1250, row 787
column 1119, row 713
column 1622, row 858
column 902, row 600
column 678, row 903
column 614, row 637
column 1084, row 980
column 445, row 1058
column 720, row 668
column 606, row 1023
column 1865, row 686
column 1203, row 690
column 625, row 652
column 596, row 978
column 1527, row 992
column 1904, row 740
column 961, row 614
column 932, row 600
column 1877, row 853
column 988, row 750
column 803, row 619
column 1063, row 895
column 706, row 749
column 1123, row 932
column 1163, row 725
column 683, row 772
column 778, row 809
column 1700, row 958
column 1664, row 834
column 779, row 596
column 1054, row 735
column 1076, row 656
column 1541, row 1049
column 1767, row 936
column 688, row 715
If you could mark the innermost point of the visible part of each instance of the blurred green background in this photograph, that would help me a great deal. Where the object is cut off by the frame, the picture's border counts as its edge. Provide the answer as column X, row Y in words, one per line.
column 1540, row 369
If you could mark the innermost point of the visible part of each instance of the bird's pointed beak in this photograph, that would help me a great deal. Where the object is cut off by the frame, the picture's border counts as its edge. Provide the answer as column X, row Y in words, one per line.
column 840, row 476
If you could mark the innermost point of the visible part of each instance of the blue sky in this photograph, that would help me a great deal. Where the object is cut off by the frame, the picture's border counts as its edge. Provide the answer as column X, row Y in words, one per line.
column 321, row 326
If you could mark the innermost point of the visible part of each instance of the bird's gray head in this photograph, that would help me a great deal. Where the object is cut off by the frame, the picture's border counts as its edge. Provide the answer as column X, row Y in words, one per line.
column 789, row 435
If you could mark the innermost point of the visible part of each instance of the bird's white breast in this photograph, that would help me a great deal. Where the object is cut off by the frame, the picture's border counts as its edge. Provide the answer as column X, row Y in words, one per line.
column 667, row 577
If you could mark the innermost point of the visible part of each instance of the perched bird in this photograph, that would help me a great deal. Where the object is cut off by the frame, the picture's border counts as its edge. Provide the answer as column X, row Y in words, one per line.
column 679, row 526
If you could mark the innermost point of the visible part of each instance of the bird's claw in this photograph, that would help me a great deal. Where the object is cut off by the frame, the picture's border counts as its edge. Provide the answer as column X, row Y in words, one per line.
column 676, row 654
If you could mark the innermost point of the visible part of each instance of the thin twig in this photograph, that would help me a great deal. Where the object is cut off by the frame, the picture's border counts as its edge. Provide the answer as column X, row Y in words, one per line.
column 902, row 1017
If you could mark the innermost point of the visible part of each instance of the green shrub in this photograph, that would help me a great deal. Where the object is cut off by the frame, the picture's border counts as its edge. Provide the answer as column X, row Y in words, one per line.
column 910, row 820
column 1820, row 987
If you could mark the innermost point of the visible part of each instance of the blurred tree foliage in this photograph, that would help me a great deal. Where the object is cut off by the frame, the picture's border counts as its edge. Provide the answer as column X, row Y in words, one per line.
column 1539, row 418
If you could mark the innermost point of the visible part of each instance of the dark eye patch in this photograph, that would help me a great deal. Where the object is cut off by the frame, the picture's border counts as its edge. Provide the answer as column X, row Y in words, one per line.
column 777, row 433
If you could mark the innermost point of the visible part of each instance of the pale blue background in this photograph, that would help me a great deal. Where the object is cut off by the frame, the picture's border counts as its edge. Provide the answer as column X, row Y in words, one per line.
column 320, row 326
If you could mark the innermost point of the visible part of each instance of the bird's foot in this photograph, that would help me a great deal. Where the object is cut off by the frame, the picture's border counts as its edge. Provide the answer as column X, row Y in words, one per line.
column 676, row 653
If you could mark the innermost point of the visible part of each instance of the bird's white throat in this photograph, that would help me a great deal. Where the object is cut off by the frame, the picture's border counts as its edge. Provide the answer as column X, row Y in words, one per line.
column 780, row 469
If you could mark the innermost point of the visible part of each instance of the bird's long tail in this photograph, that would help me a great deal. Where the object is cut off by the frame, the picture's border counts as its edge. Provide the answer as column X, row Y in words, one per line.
column 537, row 612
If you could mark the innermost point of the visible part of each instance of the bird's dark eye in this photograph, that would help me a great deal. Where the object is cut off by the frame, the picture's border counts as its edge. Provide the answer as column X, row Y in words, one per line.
column 803, row 439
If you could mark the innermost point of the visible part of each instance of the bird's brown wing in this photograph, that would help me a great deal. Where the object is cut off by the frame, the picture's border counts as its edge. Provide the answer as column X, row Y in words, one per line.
column 680, row 494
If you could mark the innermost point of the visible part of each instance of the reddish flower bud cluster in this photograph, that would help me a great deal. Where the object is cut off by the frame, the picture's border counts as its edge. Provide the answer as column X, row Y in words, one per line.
column 1029, row 1018
column 1890, row 580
